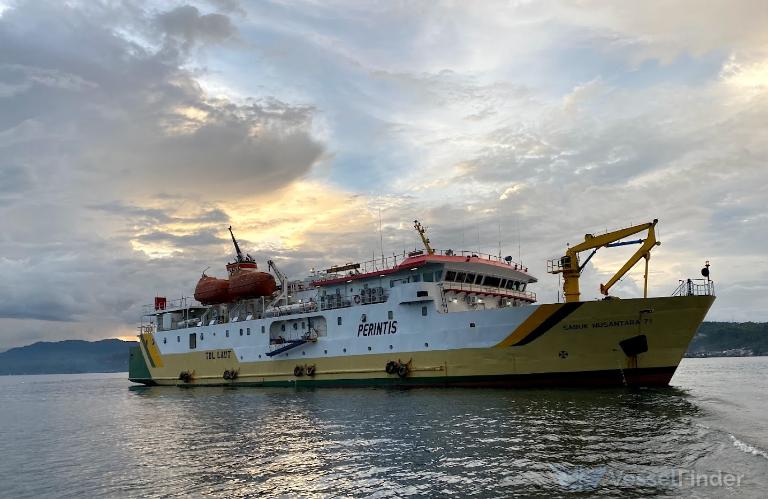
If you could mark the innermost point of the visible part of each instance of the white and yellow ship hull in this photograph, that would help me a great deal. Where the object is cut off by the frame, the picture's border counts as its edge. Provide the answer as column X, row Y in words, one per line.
column 627, row 342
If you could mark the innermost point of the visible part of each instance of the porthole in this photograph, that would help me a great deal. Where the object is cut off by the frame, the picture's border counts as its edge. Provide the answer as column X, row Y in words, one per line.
column 303, row 352
column 259, row 355
column 390, row 315
column 295, row 326
column 424, row 311
column 390, row 347
column 202, row 336
column 262, row 329
column 325, row 352
column 426, row 345
column 248, row 331
column 165, row 340
column 241, row 331
column 227, row 333
column 369, row 349
column 338, row 321
column 178, row 339
column 345, row 350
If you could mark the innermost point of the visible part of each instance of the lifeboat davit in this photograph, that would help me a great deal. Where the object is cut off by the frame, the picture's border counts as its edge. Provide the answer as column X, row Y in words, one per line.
column 246, row 282
column 212, row 291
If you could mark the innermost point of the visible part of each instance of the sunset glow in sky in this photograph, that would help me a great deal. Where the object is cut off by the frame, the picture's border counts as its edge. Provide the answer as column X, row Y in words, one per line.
column 132, row 134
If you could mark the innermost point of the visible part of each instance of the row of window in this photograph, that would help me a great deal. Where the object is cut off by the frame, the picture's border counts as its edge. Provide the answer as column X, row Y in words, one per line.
column 418, row 277
column 202, row 336
column 484, row 280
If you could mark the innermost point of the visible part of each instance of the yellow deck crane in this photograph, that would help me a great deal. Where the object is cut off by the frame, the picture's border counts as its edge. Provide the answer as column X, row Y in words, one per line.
column 568, row 265
column 424, row 239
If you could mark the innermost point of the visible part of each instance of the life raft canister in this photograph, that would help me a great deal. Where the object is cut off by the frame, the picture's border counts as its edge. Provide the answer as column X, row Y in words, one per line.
column 298, row 371
column 311, row 370
column 391, row 367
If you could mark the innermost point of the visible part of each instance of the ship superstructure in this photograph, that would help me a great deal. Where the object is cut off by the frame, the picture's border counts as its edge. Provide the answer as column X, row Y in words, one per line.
column 425, row 317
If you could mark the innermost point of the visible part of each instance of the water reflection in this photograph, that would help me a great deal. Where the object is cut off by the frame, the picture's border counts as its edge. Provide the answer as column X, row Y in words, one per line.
column 99, row 437
column 380, row 441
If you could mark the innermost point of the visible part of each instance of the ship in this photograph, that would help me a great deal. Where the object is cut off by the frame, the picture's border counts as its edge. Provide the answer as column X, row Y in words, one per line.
column 426, row 317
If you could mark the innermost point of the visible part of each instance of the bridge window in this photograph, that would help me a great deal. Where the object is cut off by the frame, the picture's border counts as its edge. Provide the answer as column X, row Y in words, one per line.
column 503, row 283
column 450, row 275
column 428, row 277
column 479, row 279
column 192, row 341
column 470, row 278
column 460, row 276
column 415, row 278
column 491, row 281
column 438, row 275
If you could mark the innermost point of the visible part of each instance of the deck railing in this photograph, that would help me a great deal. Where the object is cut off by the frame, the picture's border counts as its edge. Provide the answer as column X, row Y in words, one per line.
column 389, row 262
column 695, row 287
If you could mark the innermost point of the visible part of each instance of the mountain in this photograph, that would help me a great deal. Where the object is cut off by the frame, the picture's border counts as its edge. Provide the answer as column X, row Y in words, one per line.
column 67, row 357
column 729, row 339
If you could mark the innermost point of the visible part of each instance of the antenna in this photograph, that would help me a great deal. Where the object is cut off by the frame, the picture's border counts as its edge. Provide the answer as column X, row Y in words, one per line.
column 499, row 240
column 381, row 240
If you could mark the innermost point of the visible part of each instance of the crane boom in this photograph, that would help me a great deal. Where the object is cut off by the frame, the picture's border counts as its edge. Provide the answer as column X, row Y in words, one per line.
column 423, row 234
column 237, row 246
column 568, row 265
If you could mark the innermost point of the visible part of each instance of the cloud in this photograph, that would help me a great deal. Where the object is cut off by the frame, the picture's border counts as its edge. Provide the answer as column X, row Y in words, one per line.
column 131, row 136
column 186, row 25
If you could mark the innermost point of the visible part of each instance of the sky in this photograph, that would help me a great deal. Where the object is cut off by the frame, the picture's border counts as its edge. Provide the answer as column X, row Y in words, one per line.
column 132, row 134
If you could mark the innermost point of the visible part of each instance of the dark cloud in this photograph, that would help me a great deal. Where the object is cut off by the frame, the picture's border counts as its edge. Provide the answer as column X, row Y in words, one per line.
column 186, row 25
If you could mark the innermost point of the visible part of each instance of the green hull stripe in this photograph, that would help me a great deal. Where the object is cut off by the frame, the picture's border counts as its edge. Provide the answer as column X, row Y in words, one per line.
column 137, row 368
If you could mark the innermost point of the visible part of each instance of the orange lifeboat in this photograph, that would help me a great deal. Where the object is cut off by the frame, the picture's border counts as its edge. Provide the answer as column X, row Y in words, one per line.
column 246, row 282
column 212, row 291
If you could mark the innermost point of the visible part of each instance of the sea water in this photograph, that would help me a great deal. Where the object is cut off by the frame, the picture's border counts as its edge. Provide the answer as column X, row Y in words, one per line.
column 98, row 435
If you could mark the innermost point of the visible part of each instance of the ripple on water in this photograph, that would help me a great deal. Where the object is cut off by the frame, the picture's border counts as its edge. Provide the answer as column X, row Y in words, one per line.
column 93, row 437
